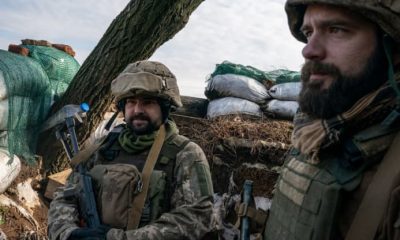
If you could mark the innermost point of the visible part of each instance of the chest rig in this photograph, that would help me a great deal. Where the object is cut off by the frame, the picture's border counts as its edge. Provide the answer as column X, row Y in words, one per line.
column 308, row 196
column 111, row 152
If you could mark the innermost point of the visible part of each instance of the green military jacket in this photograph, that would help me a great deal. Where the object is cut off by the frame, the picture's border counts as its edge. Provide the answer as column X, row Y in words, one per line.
column 186, row 213
column 319, row 201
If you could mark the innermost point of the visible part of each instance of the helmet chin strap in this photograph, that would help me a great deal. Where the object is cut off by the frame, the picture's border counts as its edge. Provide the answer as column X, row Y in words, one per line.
column 394, row 116
column 165, row 107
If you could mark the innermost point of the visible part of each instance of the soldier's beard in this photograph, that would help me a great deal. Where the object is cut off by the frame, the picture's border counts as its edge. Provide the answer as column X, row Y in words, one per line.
column 149, row 128
column 344, row 90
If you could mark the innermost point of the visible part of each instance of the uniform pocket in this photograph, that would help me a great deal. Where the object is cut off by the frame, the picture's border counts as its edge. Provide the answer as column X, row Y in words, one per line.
column 116, row 186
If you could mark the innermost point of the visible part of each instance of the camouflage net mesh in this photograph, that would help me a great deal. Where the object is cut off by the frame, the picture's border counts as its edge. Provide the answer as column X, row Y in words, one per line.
column 29, row 99
column 33, row 83
column 268, row 78
column 282, row 76
column 227, row 67
column 59, row 66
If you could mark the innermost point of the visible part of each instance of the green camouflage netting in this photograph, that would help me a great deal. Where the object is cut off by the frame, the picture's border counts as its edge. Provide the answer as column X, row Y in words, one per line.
column 32, row 84
column 282, row 76
column 29, row 98
column 227, row 67
column 59, row 66
column 267, row 78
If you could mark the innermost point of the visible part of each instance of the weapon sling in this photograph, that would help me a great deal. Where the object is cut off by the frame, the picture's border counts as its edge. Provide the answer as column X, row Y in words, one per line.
column 375, row 201
column 139, row 200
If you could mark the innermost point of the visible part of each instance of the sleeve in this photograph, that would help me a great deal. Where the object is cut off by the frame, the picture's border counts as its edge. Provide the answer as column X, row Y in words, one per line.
column 190, row 217
column 63, row 216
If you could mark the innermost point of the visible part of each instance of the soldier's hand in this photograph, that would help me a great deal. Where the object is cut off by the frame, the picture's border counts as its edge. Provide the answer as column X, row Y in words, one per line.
column 90, row 233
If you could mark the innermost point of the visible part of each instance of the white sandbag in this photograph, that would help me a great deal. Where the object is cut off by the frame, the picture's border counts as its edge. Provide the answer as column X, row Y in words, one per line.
column 286, row 91
column 23, row 112
column 27, row 196
column 3, row 140
column 282, row 109
column 9, row 169
column 3, row 236
column 3, row 114
column 232, row 105
column 24, row 117
column 232, row 85
column 101, row 130
column 3, row 87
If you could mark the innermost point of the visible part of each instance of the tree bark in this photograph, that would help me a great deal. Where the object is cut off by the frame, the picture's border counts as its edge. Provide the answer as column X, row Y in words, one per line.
column 193, row 107
column 134, row 35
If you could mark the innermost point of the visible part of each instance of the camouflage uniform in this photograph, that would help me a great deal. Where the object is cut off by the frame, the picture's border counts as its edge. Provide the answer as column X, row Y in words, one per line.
column 318, row 193
column 188, row 215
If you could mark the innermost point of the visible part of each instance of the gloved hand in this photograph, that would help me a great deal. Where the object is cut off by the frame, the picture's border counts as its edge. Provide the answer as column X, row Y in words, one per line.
column 89, row 233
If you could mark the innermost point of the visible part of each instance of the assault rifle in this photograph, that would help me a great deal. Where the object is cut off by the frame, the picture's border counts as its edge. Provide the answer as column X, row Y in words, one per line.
column 245, row 224
column 64, row 122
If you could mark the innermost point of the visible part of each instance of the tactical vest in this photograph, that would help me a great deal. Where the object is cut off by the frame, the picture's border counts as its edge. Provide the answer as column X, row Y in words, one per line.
column 309, row 197
column 162, row 181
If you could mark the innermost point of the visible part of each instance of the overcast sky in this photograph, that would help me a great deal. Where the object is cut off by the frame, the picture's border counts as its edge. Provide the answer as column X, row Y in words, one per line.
column 249, row 32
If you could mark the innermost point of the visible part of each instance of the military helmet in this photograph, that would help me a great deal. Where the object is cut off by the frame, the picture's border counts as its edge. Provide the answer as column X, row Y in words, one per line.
column 148, row 78
column 385, row 13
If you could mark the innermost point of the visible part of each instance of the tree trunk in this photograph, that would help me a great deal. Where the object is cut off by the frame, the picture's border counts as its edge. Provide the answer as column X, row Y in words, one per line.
column 134, row 35
column 192, row 107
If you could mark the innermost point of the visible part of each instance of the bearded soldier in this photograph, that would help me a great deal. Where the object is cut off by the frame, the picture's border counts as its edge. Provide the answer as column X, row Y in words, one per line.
column 337, row 181
column 177, row 200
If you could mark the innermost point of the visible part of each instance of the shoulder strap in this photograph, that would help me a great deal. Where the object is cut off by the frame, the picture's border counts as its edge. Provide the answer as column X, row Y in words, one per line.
column 87, row 152
column 139, row 200
column 172, row 146
column 375, row 201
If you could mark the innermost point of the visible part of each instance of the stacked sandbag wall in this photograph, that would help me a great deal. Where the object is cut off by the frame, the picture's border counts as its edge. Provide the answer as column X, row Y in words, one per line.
column 24, row 104
column 237, row 89
column 32, row 76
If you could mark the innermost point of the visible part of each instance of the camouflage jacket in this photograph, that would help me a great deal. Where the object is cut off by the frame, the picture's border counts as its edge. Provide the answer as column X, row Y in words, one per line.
column 190, row 206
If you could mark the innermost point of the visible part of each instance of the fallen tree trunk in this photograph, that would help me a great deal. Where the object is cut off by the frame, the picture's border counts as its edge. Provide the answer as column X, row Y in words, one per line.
column 135, row 34
column 193, row 107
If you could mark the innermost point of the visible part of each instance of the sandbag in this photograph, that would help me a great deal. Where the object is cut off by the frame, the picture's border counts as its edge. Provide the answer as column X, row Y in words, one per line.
column 101, row 131
column 286, row 91
column 3, row 139
column 60, row 67
column 282, row 109
column 9, row 169
column 232, row 105
column 28, row 112
column 228, row 67
column 232, row 85
column 279, row 76
column 3, row 87
column 25, row 77
column 3, row 114
column 22, row 75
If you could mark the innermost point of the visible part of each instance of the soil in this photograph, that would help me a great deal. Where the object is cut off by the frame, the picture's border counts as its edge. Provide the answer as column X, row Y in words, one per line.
column 224, row 160
column 14, row 225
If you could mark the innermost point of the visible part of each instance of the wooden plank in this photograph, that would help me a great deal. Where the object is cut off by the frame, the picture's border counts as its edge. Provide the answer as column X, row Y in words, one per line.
column 55, row 181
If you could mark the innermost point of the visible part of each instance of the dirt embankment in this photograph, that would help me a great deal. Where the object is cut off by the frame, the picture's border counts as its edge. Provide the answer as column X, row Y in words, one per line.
column 237, row 148
column 24, row 216
column 240, row 148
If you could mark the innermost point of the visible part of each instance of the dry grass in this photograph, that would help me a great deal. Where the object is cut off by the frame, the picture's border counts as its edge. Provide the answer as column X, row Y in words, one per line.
column 210, row 133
